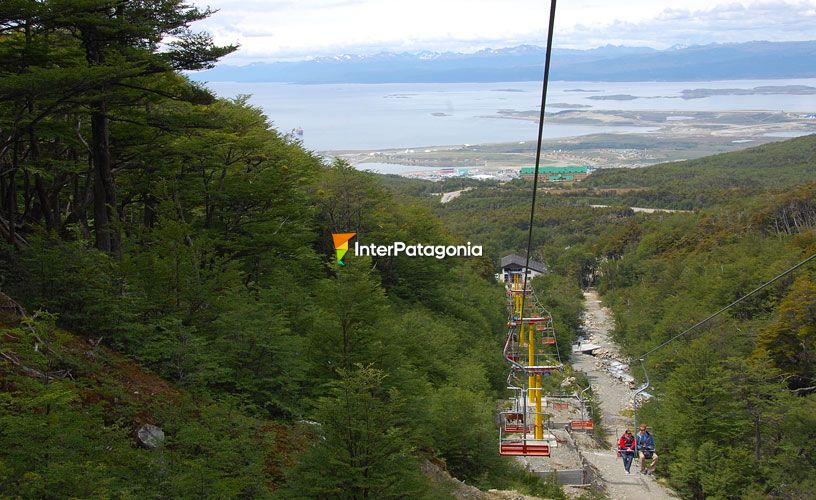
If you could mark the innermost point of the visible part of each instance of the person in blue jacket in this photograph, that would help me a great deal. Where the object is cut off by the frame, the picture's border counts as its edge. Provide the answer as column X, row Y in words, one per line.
column 646, row 450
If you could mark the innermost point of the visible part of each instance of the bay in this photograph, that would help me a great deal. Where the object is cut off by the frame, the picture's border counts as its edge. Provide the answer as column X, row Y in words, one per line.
column 385, row 116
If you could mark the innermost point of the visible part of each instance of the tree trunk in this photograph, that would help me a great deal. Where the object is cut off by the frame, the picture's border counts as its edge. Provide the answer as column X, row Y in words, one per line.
column 107, row 238
column 11, row 194
column 105, row 213
column 149, row 216
column 149, row 201
column 45, row 203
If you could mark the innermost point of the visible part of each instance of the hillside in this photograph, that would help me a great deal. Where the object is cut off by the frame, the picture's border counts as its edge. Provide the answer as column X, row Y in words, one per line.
column 179, row 318
column 709, row 181
column 774, row 165
column 227, row 369
column 242, row 361
column 734, row 398
column 176, row 258
column 70, row 415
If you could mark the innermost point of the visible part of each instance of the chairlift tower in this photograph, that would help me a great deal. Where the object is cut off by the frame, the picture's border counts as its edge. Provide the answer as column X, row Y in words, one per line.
column 531, row 349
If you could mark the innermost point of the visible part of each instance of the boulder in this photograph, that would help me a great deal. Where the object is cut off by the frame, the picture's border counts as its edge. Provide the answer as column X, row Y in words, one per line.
column 150, row 436
column 568, row 382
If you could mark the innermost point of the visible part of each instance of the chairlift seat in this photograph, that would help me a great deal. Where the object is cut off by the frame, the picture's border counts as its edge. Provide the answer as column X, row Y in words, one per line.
column 517, row 428
column 524, row 448
column 542, row 369
column 581, row 425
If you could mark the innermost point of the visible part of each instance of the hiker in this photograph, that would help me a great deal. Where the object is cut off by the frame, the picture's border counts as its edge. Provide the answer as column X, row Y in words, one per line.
column 626, row 449
column 646, row 450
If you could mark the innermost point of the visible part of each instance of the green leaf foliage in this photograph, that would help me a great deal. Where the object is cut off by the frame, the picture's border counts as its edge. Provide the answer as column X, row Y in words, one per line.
column 183, row 232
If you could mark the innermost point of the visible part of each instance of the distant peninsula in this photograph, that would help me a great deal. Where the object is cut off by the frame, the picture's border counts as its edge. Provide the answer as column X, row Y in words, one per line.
column 613, row 97
column 566, row 105
column 764, row 90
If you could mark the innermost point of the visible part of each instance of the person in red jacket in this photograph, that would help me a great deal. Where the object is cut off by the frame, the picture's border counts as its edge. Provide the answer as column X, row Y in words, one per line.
column 626, row 449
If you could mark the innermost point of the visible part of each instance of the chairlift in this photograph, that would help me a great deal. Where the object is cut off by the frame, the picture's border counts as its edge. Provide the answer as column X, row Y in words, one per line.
column 543, row 369
column 524, row 448
column 581, row 425
column 517, row 437
column 638, row 392
column 513, row 423
column 557, row 405
column 522, row 429
column 512, row 444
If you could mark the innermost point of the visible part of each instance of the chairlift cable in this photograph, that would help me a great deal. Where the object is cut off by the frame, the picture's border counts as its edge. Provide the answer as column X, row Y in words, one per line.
column 538, row 363
column 643, row 356
column 729, row 306
column 544, row 85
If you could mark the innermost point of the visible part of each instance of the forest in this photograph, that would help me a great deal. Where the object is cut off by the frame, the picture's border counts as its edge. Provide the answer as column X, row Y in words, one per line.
column 735, row 400
column 172, row 254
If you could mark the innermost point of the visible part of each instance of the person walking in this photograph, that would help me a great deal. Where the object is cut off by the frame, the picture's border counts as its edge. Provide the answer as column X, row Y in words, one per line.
column 646, row 450
column 626, row 449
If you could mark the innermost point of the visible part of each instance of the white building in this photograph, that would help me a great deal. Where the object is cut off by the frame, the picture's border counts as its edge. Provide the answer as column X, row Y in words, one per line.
column 514, row 264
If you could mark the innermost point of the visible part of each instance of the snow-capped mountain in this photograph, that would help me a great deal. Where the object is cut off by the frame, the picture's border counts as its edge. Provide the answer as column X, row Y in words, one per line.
column 751, row 60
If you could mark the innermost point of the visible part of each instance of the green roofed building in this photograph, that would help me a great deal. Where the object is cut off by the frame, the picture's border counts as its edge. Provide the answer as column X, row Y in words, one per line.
column 569, row 173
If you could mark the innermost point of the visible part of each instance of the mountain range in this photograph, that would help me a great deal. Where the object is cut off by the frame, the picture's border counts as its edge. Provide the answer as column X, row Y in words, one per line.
column 750, row 60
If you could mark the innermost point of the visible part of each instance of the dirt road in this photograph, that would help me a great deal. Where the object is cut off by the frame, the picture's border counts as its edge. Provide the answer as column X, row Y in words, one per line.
column 452, row 195
column 614, row 396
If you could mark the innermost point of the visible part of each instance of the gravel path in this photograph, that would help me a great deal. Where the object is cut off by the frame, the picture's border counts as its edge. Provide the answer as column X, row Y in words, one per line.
column 614, row 397
column 452, row 195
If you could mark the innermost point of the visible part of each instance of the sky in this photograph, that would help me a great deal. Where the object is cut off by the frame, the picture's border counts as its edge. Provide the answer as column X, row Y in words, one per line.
column 270, row 30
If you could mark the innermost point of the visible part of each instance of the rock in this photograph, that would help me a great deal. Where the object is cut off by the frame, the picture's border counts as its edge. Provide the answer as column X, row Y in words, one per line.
column 508, row 495
column 150, row 436
column 461, row 491
column 568, row 382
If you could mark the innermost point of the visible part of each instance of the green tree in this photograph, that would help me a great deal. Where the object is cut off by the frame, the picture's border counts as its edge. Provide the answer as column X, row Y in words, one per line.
column 790, row 341
column 343, row 327
column 124, row 38
column 464, row 431
column 360, row 450
column 97, row 58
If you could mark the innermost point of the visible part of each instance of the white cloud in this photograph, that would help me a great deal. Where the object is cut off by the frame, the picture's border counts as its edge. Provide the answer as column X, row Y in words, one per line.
column 724, row 23
column 277, row 29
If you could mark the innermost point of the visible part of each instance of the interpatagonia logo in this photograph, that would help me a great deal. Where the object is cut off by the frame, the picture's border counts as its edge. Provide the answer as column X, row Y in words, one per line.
column 341, row 245
column 418, row 250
